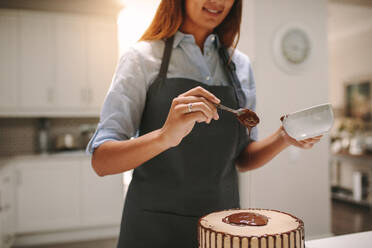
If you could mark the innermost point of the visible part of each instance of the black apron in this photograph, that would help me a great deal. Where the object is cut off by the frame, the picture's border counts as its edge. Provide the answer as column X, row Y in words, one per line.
column 170, row 192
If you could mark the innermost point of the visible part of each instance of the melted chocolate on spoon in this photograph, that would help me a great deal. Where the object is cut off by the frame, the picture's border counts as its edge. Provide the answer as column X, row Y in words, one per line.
column 248, row 118
column 245, row 116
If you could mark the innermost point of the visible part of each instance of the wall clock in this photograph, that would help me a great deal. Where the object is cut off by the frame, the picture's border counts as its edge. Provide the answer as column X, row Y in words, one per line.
column 292, row 48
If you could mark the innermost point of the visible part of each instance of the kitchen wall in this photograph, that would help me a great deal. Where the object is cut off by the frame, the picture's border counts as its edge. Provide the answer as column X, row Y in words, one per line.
column 350, row 59
column 296, row 181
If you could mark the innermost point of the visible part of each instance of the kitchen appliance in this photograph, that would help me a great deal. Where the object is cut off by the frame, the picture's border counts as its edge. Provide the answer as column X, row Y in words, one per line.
column 86, row 133
column 66, row 141
column 43, row 135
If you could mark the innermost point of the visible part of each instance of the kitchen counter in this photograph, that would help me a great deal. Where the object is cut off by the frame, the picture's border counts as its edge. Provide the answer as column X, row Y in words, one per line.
column 58, row 156
column 54, row 155
column 358, row 240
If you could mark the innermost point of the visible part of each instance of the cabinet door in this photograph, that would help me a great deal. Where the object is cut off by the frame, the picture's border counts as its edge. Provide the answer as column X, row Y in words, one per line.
column 70, row 62
column 102, row 54
column 37, row 60
column 48, row 196
column 9, row 59
column 1, row 216
column 7, row 215
column 101, row 197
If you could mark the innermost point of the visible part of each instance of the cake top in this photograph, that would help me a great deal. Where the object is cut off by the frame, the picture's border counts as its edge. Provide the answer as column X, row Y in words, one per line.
column 250, row 222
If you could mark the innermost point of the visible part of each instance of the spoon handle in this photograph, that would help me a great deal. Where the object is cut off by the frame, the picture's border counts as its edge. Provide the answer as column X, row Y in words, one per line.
column 220, row 106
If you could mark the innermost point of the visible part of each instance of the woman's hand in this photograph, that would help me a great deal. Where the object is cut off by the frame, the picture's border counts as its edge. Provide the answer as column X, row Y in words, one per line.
column 195, row 105
column 305, row 144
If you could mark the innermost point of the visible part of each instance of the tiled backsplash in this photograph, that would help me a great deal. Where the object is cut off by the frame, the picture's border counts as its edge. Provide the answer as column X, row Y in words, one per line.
column 19, row 136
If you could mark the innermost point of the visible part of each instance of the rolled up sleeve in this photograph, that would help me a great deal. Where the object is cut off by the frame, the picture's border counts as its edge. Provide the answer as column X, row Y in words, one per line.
column 123, row 106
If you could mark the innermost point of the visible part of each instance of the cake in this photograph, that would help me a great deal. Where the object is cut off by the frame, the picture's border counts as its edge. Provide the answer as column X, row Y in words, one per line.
column 250, row 228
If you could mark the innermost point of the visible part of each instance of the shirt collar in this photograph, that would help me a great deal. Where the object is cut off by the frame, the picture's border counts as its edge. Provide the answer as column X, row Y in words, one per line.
column 212, row 39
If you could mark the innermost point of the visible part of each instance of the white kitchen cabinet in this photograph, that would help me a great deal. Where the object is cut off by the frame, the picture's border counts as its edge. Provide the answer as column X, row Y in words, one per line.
column 101, row 60
column 61, row 193
column 71, row 69
column 7, row 206
column 1, row 227
column 37, row 68
column 101, row 197
column 57, row 64
column 47, row 195
column 9, row 60
column 86, row 59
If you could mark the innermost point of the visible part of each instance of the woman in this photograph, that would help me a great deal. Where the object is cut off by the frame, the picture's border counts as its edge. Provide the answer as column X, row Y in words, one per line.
column 185, row 152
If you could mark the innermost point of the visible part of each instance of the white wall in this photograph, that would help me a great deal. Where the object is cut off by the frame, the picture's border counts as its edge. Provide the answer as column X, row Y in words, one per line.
column 350, row 59
column 296, row 181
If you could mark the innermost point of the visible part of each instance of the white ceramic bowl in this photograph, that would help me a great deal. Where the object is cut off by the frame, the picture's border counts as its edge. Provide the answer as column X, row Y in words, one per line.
column 310, row 122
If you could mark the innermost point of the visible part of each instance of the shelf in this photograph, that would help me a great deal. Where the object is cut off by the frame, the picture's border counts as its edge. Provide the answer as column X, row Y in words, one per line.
column 362, row 159
column 349, row 199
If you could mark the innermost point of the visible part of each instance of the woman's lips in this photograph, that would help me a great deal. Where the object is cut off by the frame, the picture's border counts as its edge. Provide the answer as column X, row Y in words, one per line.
column 212, row 12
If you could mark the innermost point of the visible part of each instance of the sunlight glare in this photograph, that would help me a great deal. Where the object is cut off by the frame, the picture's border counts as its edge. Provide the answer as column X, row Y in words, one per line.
column 133, row 20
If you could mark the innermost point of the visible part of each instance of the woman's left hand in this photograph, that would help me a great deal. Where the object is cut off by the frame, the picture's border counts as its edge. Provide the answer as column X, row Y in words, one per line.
column 305, row 144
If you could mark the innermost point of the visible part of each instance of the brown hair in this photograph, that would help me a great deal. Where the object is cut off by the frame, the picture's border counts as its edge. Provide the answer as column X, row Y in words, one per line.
column 171, row 13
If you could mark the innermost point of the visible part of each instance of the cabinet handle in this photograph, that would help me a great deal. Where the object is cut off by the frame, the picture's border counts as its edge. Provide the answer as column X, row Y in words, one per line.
column 83, row 95
column 50, row 95
column 90, row 95
column 18, row 177
column 1, row 205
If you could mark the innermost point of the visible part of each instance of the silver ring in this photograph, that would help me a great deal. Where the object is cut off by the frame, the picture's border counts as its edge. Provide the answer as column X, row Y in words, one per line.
column 189, row 106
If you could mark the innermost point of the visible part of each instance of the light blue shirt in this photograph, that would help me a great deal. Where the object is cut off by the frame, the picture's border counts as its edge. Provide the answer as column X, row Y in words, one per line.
column 138, row 68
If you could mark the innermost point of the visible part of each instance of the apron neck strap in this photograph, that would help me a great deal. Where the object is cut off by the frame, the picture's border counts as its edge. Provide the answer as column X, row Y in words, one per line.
column 166, row 57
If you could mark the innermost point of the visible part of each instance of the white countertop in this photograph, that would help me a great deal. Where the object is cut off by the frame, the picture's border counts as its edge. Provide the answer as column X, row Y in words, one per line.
column 355, row 240
column 71, row 155
column 65, row 154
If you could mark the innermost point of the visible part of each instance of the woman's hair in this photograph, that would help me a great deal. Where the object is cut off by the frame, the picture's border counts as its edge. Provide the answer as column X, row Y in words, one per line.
column 171, row 13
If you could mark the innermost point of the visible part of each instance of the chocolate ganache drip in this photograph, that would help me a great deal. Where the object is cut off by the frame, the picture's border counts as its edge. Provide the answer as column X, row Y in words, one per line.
column 246, row 219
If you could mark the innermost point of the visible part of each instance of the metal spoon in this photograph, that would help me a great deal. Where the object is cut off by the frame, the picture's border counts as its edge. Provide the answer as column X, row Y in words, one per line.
column 235, row 111
column 246, row 116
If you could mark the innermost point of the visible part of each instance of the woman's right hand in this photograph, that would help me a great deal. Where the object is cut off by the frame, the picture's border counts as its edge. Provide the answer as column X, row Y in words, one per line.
column 181, row 120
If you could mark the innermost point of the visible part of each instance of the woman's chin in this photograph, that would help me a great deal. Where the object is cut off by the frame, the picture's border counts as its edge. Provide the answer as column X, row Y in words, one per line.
column 209, row 25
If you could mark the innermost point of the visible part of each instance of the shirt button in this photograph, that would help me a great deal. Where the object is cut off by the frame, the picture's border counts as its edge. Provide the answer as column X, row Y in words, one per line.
column 208, row 78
